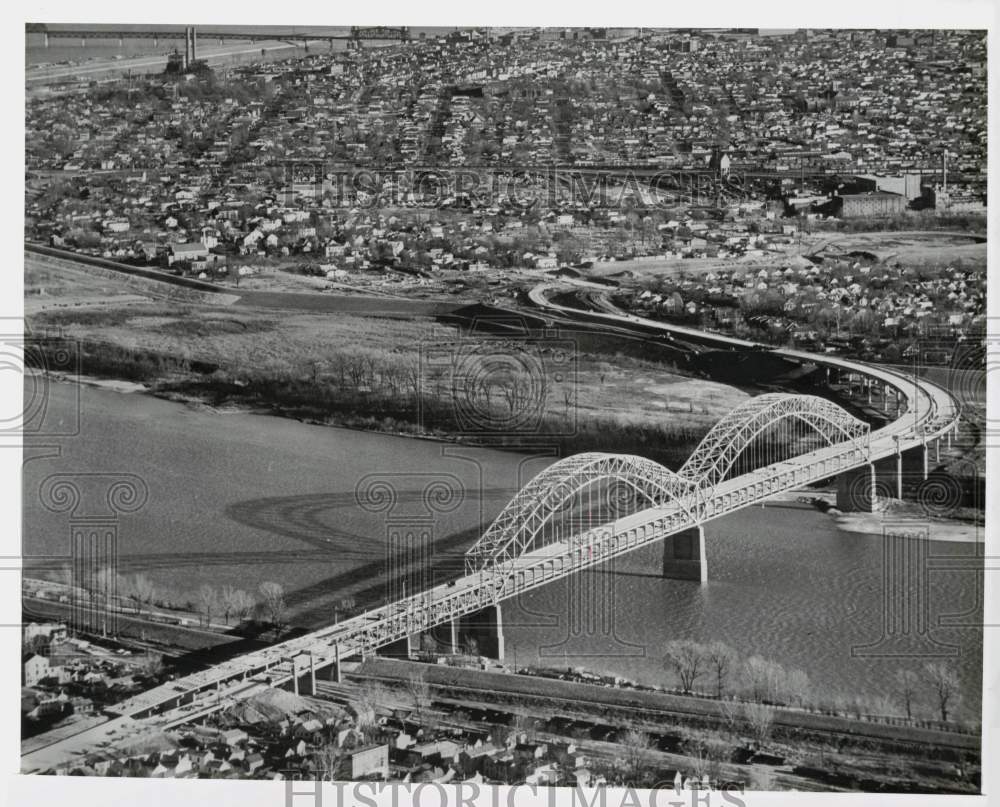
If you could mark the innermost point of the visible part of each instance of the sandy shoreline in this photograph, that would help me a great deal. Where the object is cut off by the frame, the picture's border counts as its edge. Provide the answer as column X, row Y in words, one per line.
column 902, row 517
column 936, row 529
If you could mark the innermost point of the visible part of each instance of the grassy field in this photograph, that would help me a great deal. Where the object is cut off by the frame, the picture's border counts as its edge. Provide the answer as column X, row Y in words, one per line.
column 399, row 374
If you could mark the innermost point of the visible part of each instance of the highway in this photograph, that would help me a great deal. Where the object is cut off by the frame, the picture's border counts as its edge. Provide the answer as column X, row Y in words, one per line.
column 931, row 411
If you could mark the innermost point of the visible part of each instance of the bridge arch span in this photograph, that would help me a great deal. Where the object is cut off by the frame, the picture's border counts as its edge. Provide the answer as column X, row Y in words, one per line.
column 785, row 416
column 615, row 485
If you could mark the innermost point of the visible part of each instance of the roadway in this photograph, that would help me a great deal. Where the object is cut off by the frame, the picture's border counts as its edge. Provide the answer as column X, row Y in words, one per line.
column 931, row 411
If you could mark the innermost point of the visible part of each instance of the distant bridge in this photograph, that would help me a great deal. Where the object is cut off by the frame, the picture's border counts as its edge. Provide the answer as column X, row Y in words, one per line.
column 356, row 33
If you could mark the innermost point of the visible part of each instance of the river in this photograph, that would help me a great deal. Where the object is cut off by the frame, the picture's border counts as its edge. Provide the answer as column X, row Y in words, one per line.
column 239, row 498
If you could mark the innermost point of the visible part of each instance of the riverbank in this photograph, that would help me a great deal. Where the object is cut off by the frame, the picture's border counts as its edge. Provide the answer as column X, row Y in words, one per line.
column 914, row 523
column 902, row 516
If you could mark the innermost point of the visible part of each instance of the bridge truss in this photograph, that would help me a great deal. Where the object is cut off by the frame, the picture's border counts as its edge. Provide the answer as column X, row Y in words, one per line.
column 560, row 507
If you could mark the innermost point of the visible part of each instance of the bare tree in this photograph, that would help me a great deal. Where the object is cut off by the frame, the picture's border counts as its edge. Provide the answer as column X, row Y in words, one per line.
column 635, row 744
column 732, row 713
column 762, row 677
column 797, row 687
column 944, row 684
column 144, row 589
column 707, row 754
column 208, row 602
column 686, row 658
column 235, row 602
column 760, row 718
column 721, row 659
column 326, row 761
column 273, row 602
column 243, row 603
column 908, row 682
column 419, row 692
column 126, row 590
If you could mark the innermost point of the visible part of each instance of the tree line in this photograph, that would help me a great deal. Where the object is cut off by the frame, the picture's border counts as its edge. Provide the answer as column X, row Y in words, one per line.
column 715, row 669
column 211, row 603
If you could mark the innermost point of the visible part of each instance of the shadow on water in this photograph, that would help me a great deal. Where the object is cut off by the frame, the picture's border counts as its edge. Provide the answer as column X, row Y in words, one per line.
column 317, row 519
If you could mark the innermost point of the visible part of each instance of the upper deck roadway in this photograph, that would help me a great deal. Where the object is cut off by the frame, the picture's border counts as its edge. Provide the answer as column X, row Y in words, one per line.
column 929, row 412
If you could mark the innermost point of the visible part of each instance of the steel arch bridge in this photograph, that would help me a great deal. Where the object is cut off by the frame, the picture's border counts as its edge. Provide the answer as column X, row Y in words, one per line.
column 790, row 418
column 639, row 502
column 766, row 431
column 563, row 497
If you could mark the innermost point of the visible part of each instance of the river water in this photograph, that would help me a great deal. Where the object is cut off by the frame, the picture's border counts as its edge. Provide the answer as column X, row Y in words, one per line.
column 236, row 498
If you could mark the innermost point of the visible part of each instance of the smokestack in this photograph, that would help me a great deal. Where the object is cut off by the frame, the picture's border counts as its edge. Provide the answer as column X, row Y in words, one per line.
column 187, row 47
column 194, row 45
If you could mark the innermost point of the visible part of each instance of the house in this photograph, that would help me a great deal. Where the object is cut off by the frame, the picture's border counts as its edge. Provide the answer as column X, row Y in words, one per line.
column 233, row 736
column 547, row 774
column 54, row 631
column 372, row 760
column 187, row 252
column 250, row 239
column 36, row 668
column 502, row 767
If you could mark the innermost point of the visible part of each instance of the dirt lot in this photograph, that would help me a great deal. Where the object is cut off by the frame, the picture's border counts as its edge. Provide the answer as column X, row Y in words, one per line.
column 923, row 248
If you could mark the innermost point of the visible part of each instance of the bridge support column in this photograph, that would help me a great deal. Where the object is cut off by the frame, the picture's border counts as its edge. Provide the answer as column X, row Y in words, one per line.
column 899, row 474
column 484, row 630
column 856, row 490
column 937, row 450
column 684, row 555
column 338, row 674
column 449, row 633
column 312, row 675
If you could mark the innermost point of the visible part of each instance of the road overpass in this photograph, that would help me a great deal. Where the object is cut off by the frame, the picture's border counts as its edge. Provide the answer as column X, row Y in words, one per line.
column 578, row 513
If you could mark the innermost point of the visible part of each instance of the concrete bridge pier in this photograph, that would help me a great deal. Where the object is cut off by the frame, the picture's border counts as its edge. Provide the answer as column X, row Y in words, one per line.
column 857, row 490
column 483, row 628
column 446, row 636
column 401, row 648
column 684, row 555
